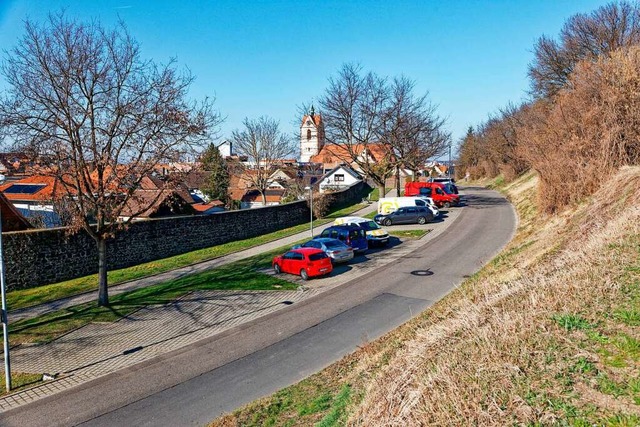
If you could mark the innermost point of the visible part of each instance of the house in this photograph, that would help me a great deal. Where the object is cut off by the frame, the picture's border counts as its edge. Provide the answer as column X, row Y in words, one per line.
column 282, row 178
column 338, row 178
column 253, row 198
column 162, row 200
column 12, row 219
column 334, row 155
column 15, row 164
column 158, row 203
column 33, row 197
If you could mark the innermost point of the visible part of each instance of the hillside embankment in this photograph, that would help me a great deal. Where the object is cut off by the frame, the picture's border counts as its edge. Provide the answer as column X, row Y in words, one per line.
column 547, row 333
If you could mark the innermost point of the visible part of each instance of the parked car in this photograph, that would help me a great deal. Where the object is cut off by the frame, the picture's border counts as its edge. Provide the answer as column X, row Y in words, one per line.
column 305, row 262
column 449, row 183
column 386, row 205
column 376, row 235
column 440, row 194
column 406, row 215
column 334, row 248
column 429, row 203
column 352, row 235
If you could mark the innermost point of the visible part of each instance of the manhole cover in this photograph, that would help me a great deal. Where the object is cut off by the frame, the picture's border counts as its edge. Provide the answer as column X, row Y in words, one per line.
column 422, row 272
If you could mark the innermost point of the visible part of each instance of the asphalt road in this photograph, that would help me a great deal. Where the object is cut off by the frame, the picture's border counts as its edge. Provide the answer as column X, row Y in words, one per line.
column 194, row 385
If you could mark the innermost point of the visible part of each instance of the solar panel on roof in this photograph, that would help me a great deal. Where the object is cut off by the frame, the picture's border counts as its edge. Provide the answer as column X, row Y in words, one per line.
column 24, row 188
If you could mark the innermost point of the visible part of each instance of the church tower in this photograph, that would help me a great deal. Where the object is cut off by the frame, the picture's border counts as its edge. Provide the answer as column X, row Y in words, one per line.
column 311, row 135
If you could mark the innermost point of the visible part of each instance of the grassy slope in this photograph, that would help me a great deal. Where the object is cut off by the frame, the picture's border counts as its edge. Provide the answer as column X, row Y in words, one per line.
column 547, row 333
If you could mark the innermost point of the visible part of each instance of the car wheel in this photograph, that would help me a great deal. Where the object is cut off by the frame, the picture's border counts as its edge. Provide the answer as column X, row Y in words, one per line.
column 422, row 220
column 276, row 268
column 386, row 222
column 447, row 205
column 304, row 274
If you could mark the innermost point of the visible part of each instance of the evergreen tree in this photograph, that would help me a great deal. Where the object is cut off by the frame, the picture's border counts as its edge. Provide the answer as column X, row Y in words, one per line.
column 217, row 184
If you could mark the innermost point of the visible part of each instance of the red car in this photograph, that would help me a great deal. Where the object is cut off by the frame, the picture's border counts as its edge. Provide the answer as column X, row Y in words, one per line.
column 305, row 262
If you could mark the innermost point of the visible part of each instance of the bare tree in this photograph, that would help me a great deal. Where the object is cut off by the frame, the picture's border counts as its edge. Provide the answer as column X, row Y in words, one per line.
column 99, row 119
column 411, row 127
column 265, row 147
column 583, row 36
column 352, row 108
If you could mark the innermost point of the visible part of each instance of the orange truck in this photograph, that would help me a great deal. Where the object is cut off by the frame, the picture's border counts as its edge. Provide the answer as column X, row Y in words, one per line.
column 435, row 190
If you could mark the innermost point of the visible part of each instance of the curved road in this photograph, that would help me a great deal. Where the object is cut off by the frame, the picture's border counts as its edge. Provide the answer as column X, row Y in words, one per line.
column 195, row 384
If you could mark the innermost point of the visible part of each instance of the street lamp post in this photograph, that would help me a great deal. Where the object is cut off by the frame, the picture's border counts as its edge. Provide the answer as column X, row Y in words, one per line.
column 310, row 206
column 449, row 166
column 5, row 319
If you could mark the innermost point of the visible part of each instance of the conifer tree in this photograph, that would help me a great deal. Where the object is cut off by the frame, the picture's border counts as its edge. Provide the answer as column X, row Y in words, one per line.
column 217, row 184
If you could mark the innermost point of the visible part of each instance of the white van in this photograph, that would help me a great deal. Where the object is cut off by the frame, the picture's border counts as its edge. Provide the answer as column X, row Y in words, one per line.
column 375, row 234
column 386, row 205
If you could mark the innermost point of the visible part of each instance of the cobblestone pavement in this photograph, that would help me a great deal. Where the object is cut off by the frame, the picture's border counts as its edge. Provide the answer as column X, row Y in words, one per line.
column 100, row 348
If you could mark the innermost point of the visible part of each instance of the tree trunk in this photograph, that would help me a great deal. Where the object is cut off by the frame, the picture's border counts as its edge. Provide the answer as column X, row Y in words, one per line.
column 397, row 182
column 381, row 190
column 103, row 291
column 264, row 198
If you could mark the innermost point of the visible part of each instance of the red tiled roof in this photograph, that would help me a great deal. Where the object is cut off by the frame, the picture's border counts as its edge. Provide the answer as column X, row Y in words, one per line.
column 271, row 195
column 45, row 194
column 337, row 153
column 165, row 198
column 203, row 207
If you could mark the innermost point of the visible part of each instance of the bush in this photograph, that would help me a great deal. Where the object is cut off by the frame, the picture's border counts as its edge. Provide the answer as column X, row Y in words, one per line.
column 590, row 130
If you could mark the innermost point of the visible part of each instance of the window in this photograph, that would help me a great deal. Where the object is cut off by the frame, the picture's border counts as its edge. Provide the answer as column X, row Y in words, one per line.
column 318, row 256
column 339, row 177
column 308, row 134
column 420, row 203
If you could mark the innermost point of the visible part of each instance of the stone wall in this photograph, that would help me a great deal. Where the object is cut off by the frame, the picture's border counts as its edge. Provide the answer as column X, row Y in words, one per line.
column 34, row 258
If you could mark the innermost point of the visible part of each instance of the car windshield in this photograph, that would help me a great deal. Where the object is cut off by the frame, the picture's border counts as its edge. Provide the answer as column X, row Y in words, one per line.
column 317, row 256
column 447, row 189
column 334, row 244
column 369, row 225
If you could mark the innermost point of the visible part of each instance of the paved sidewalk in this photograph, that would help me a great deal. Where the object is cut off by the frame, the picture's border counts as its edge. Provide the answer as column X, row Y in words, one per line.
column 98, row 349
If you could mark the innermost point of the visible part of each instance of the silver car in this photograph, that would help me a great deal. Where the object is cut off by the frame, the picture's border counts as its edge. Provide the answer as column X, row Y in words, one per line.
column 337, row 250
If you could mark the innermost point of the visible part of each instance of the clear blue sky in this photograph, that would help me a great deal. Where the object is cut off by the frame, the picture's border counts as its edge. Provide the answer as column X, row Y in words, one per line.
column 268, row 57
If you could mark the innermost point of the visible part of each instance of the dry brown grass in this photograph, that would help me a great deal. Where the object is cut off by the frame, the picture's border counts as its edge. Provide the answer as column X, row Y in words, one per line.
column 492, row 353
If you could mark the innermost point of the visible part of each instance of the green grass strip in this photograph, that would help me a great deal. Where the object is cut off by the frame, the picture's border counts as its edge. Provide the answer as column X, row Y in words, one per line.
column 241, row 275
column 43, row 294
column 19, row 381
